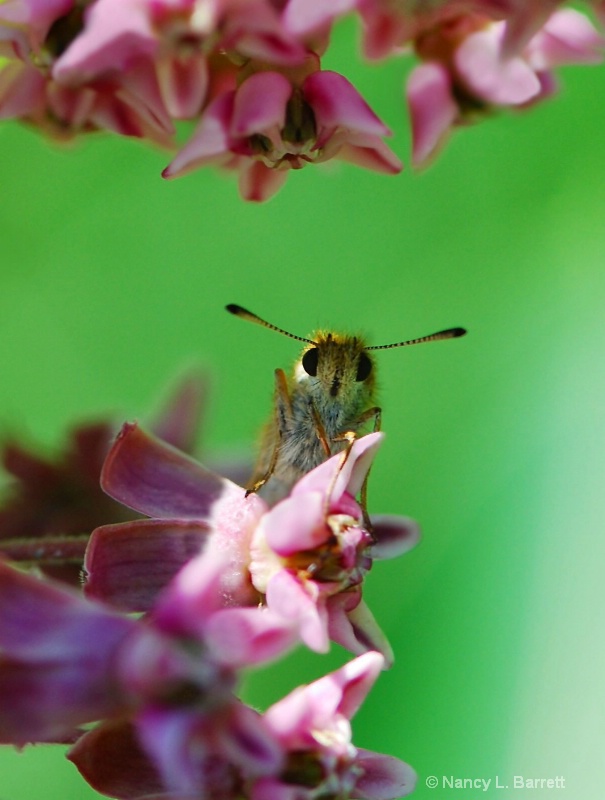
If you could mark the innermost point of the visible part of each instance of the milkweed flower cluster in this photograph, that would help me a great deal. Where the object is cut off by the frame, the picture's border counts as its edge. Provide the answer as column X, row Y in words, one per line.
column 138, row 672
column 250, row 73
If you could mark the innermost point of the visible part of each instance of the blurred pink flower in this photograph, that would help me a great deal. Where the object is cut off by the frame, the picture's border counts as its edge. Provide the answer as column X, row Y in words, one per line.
column 303, row 560
column 467, row 72
column 33, row 35
column 273, row 123
column 312, row 724
column 174, row 38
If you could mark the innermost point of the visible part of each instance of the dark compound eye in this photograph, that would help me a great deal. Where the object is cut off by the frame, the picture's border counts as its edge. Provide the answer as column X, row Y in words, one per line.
column 364, row 367
column 309, row 362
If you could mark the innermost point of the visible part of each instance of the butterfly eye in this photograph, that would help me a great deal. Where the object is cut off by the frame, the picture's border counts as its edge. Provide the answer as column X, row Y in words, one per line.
column 309, row 361
column 364, row 367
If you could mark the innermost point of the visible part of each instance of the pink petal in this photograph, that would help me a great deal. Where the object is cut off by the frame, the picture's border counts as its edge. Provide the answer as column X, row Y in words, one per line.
column 356, row 629
column 394, row 535
column 241, row 637
column 155, row 479
column 210, row 140
column 36, row 15
column 116, row 33
column 255, row 30
column 344, row 478
column 568, row 37
column 302, row 17
column 432, row 109
column 183, row 84
column 297, row 523
column 293, row 601
column 383, row 777
column 308, row 710
column 490, row 76
column 72, row 106
column 128, row 564
column 337, row 104
column 355, row 680
column 22, row 91
column 260, row 104
column 193, row 596
column 258, row 183
column 370, row 153
column 524, row 21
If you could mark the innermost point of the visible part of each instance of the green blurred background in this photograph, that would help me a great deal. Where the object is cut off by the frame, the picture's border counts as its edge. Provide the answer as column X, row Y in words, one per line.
column 112, row 280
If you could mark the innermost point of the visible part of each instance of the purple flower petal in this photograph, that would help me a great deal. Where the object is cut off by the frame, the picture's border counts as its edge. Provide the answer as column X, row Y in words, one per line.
column 178, row 421
column 154, row 478
column 383, row 777
column 112, row 761
column 43, row 622
column 394, row 535
column 130, row 563
column 57, row 665
column 246, row 740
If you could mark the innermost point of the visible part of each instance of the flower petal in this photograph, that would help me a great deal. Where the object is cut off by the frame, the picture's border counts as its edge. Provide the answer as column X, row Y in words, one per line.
column 258, row 183
column 296, row 523
column 302, row 17
column 128, row 564
column 154, row 478
column 336, row 103
column 432, row 109
column 394, row 535
column 293, row 601
column 210, row 140
column 347, row 477
column 383, row 777
column 490, row 76
column 241, row 637
column 260, row 104
column 352, row 625
column 370, row 153
column 112, row 761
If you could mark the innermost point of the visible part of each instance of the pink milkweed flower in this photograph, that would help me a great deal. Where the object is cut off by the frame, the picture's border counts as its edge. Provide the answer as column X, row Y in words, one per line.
column 468, row 71
column 312, row 724
column 33, row 34
column 303, row 560
column 274, row 122
column 52, row 504
column 168, row 679
column 175, row 38
column 310, row 553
